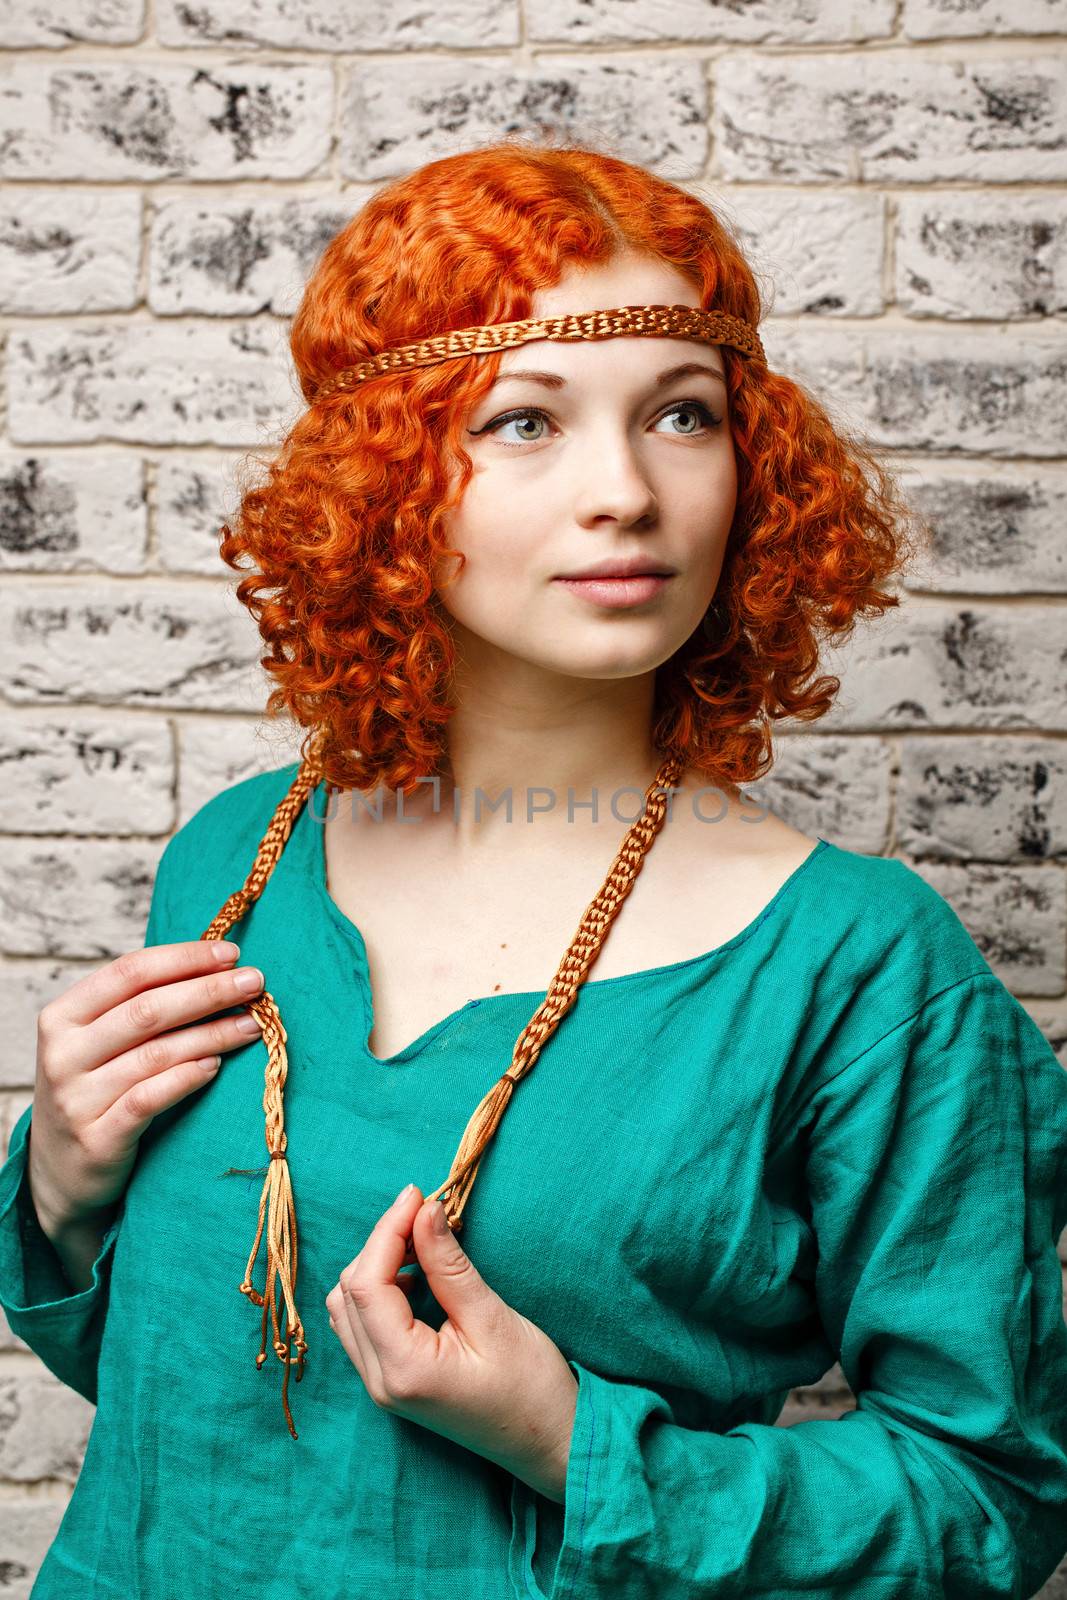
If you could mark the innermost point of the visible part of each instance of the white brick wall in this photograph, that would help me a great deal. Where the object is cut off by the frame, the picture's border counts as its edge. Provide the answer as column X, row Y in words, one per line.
column 897, row 170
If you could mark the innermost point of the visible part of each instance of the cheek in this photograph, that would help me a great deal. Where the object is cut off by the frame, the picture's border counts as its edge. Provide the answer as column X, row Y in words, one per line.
column 493, row 590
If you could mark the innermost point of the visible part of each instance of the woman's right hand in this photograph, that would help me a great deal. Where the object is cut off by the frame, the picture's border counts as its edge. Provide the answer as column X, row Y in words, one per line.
column 107, row 1064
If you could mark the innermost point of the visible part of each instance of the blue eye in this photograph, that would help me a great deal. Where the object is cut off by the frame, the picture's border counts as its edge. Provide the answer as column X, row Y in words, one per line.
column 535, row 411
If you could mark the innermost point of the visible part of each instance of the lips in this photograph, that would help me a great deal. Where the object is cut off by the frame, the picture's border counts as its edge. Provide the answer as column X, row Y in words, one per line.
column 617, row 593
column 638, row 568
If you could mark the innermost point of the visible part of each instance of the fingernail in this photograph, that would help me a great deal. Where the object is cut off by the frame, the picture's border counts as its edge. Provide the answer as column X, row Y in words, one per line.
column 226, row 950
column 438, row 1219
column 403, row 1194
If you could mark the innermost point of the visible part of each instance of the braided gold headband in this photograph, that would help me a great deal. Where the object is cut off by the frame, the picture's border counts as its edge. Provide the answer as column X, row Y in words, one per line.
column 678, row 322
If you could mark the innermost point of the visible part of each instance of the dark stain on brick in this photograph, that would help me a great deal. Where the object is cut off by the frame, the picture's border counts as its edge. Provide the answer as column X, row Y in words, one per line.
column 70, row 362
column 95, row 755
column 867, row 115
column 228, row 257
column 192, row 497
column 1008, row 946
column 248, row 114
column 36, row 516
column 1035, row 836
column 961, row 785
column 982, row 525
column 1016, row 104
column 101, row 621
column 28, row 241
column 246, row 336
column 177, row 627
column 198, row 21
column 307, row 236
column 135, row 117
column 43, row 620
column 1018, row 243
column 982, row 661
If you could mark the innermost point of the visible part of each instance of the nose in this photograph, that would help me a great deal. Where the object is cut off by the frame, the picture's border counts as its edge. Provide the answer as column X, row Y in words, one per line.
column 616, row 484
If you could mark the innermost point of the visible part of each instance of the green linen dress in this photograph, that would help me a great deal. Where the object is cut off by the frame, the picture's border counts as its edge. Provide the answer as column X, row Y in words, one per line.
column 836, row 1136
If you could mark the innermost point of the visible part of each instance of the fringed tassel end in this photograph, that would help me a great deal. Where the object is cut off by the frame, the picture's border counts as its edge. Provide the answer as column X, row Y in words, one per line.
column 476, row 1136
column 276, row 1201
column 277, row 1208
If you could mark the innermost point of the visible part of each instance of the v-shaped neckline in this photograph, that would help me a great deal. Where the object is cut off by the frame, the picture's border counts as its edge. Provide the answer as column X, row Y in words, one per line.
column 316, row 820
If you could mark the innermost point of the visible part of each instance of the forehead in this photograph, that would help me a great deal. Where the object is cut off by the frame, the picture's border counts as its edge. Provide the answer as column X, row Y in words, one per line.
column 541, row 365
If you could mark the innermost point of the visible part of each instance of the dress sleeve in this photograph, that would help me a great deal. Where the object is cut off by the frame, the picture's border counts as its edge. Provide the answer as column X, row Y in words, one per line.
column 936, row 1163
column 62, row 1326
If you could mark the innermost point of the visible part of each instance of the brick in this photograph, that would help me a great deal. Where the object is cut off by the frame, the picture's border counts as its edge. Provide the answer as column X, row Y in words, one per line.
column 652, row 110
column 234, row 257
column 987, row 798
column 992, row 530
column 85, row 772
column 989, row 393
column 604, row 22
column 958, row 256
column 195, row 495
column 188, row 382
column 217, row 752
column 335, row 26
column 813, row 251
column 75, row 899
column 1051, row 1018
column 928, row 664
column 44, row 1426
column 27, row 1528
column 1017, row 916
column 55, row 24
column 26, row 987
column 165, row 645
column 72, row 512
column 893, row 116
column 68, row 250
column 956, row 19
column 832, row 788
column 100, row 120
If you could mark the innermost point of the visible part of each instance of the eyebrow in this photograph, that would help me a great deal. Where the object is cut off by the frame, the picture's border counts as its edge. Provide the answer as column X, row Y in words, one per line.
column 552, row 380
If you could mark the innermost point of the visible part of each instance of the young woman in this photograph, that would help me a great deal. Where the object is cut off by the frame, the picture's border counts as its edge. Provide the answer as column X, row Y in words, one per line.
column 793, row 1117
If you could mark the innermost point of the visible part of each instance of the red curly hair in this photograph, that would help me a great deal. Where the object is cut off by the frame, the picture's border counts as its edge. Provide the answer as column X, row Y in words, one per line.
column 344, row 532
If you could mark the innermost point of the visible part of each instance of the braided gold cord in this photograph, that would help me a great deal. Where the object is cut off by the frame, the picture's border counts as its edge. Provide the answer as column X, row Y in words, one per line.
column 680, row 322
column 562, row 991
column 276, row 1205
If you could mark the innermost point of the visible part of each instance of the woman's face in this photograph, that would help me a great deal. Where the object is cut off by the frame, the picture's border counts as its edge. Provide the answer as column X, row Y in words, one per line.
column 604, row 462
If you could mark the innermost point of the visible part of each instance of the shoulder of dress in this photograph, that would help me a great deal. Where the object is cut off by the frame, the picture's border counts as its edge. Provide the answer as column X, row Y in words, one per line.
column 894, row 911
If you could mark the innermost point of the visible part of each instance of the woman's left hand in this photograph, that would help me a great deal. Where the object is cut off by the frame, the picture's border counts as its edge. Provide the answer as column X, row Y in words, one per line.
column 488, row 1378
